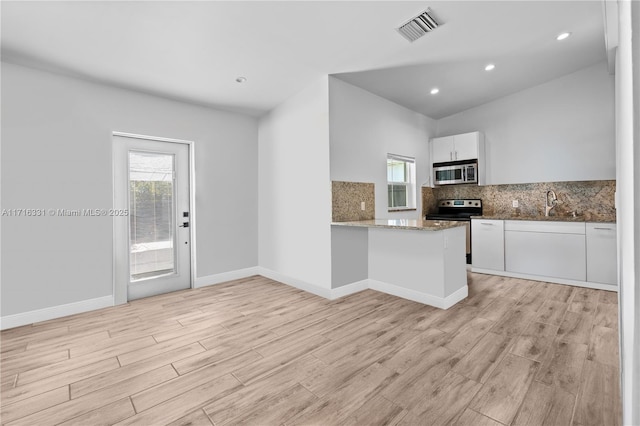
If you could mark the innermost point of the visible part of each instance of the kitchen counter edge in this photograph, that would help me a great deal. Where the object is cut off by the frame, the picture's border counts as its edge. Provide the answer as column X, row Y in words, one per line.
column 546, row 218
column 409, row 224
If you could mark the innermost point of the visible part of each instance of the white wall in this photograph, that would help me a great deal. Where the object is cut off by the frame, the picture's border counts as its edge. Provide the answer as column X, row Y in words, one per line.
column 349, row 255
column 628, row 196
column 295, row 190
column 562, row 130
column 56, row 146
column 364, row 128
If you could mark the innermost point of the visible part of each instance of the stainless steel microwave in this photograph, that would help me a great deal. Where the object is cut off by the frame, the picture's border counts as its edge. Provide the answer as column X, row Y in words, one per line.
column 455, row 172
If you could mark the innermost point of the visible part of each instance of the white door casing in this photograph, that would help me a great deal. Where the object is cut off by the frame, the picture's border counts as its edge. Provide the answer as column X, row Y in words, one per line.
column 149, row 265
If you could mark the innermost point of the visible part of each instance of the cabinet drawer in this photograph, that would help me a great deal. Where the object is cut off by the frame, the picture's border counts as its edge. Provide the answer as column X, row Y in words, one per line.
column 593, row 228
column 543, row 226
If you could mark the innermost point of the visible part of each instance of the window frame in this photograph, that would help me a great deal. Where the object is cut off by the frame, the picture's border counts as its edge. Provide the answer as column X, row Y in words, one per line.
column 408, row 183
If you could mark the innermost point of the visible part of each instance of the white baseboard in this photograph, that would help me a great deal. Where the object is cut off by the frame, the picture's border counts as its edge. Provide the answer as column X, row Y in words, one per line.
column 327, row 293
column 348, row 289
column 226, row 276
column 455, row 297
column 25, row 318
column 294, row 282
column 416, row 296
column 555, row 280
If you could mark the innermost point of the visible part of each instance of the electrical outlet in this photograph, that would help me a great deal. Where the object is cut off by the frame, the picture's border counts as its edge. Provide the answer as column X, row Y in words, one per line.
column 514, row 203
column 362, row 207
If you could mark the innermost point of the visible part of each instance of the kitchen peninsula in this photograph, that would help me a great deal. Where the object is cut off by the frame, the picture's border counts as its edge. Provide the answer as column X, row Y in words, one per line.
column 420, row 260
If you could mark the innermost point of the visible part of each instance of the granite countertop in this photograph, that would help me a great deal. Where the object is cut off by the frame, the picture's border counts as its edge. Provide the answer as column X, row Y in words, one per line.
column 579, row 218
column 414, row 224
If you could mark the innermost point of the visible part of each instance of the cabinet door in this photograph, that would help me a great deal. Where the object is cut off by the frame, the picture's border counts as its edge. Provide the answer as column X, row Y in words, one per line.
column 442, row 149
column 602, row 261
column 465, row 146
column 547, row 254
column 487, row 244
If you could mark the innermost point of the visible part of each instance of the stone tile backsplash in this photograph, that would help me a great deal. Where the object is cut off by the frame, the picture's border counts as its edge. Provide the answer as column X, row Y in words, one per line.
column 592, row 199
column 346, row 199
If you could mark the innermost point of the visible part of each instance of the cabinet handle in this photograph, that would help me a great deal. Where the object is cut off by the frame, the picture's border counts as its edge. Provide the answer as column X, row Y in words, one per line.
column 450, row 155
column 603, row 229
column 456, row 155
column 489, row 224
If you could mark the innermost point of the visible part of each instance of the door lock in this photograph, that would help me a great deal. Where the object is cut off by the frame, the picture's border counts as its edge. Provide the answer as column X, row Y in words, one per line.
column 184, row 225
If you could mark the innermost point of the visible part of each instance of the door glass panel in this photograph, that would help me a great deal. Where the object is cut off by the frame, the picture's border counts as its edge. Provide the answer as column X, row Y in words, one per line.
column 151, row 209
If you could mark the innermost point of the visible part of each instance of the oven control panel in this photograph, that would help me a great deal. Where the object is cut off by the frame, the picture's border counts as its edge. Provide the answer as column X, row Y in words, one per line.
column 460, row 203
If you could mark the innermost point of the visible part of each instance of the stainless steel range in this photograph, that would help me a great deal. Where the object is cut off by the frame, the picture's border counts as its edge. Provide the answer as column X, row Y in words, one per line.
column 460, row 210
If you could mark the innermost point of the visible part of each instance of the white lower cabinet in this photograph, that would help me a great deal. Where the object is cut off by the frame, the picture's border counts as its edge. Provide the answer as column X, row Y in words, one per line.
column 550, row 249
column 575, row 253
column 487, row 244
column 602, row 265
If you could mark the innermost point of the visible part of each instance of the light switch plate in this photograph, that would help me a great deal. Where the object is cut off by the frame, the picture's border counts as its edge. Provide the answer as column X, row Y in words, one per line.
column 362, row 206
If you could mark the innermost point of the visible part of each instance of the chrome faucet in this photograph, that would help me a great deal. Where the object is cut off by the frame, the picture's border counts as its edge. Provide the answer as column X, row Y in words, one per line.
column 550, row 202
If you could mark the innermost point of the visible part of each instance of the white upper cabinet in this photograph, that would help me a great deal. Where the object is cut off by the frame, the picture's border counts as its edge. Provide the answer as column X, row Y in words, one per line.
column 465, row 146
column 442, row 149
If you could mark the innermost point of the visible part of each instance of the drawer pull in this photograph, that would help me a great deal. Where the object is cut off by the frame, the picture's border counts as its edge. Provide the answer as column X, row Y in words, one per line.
column 603, row 229
column 490, row 224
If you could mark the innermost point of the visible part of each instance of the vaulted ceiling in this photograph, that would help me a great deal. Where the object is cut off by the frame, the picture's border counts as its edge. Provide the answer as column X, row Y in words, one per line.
column 194, row 50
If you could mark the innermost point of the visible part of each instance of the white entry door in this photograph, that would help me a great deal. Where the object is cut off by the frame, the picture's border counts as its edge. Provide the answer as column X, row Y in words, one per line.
column 153, row 241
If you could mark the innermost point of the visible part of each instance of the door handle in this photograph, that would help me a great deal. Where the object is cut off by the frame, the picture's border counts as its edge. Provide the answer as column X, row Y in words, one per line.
column 184, row 225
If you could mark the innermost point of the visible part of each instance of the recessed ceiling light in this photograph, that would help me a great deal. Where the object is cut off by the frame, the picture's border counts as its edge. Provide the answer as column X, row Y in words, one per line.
column 434, row 90
column 241, row 79
column 489, row 67
column 563, row 36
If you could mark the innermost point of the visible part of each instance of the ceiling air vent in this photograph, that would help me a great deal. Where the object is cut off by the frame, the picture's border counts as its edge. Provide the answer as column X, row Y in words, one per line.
column 418, row 26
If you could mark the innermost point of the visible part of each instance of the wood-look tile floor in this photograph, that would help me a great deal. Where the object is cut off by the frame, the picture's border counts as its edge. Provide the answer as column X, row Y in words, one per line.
column 255, row 351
